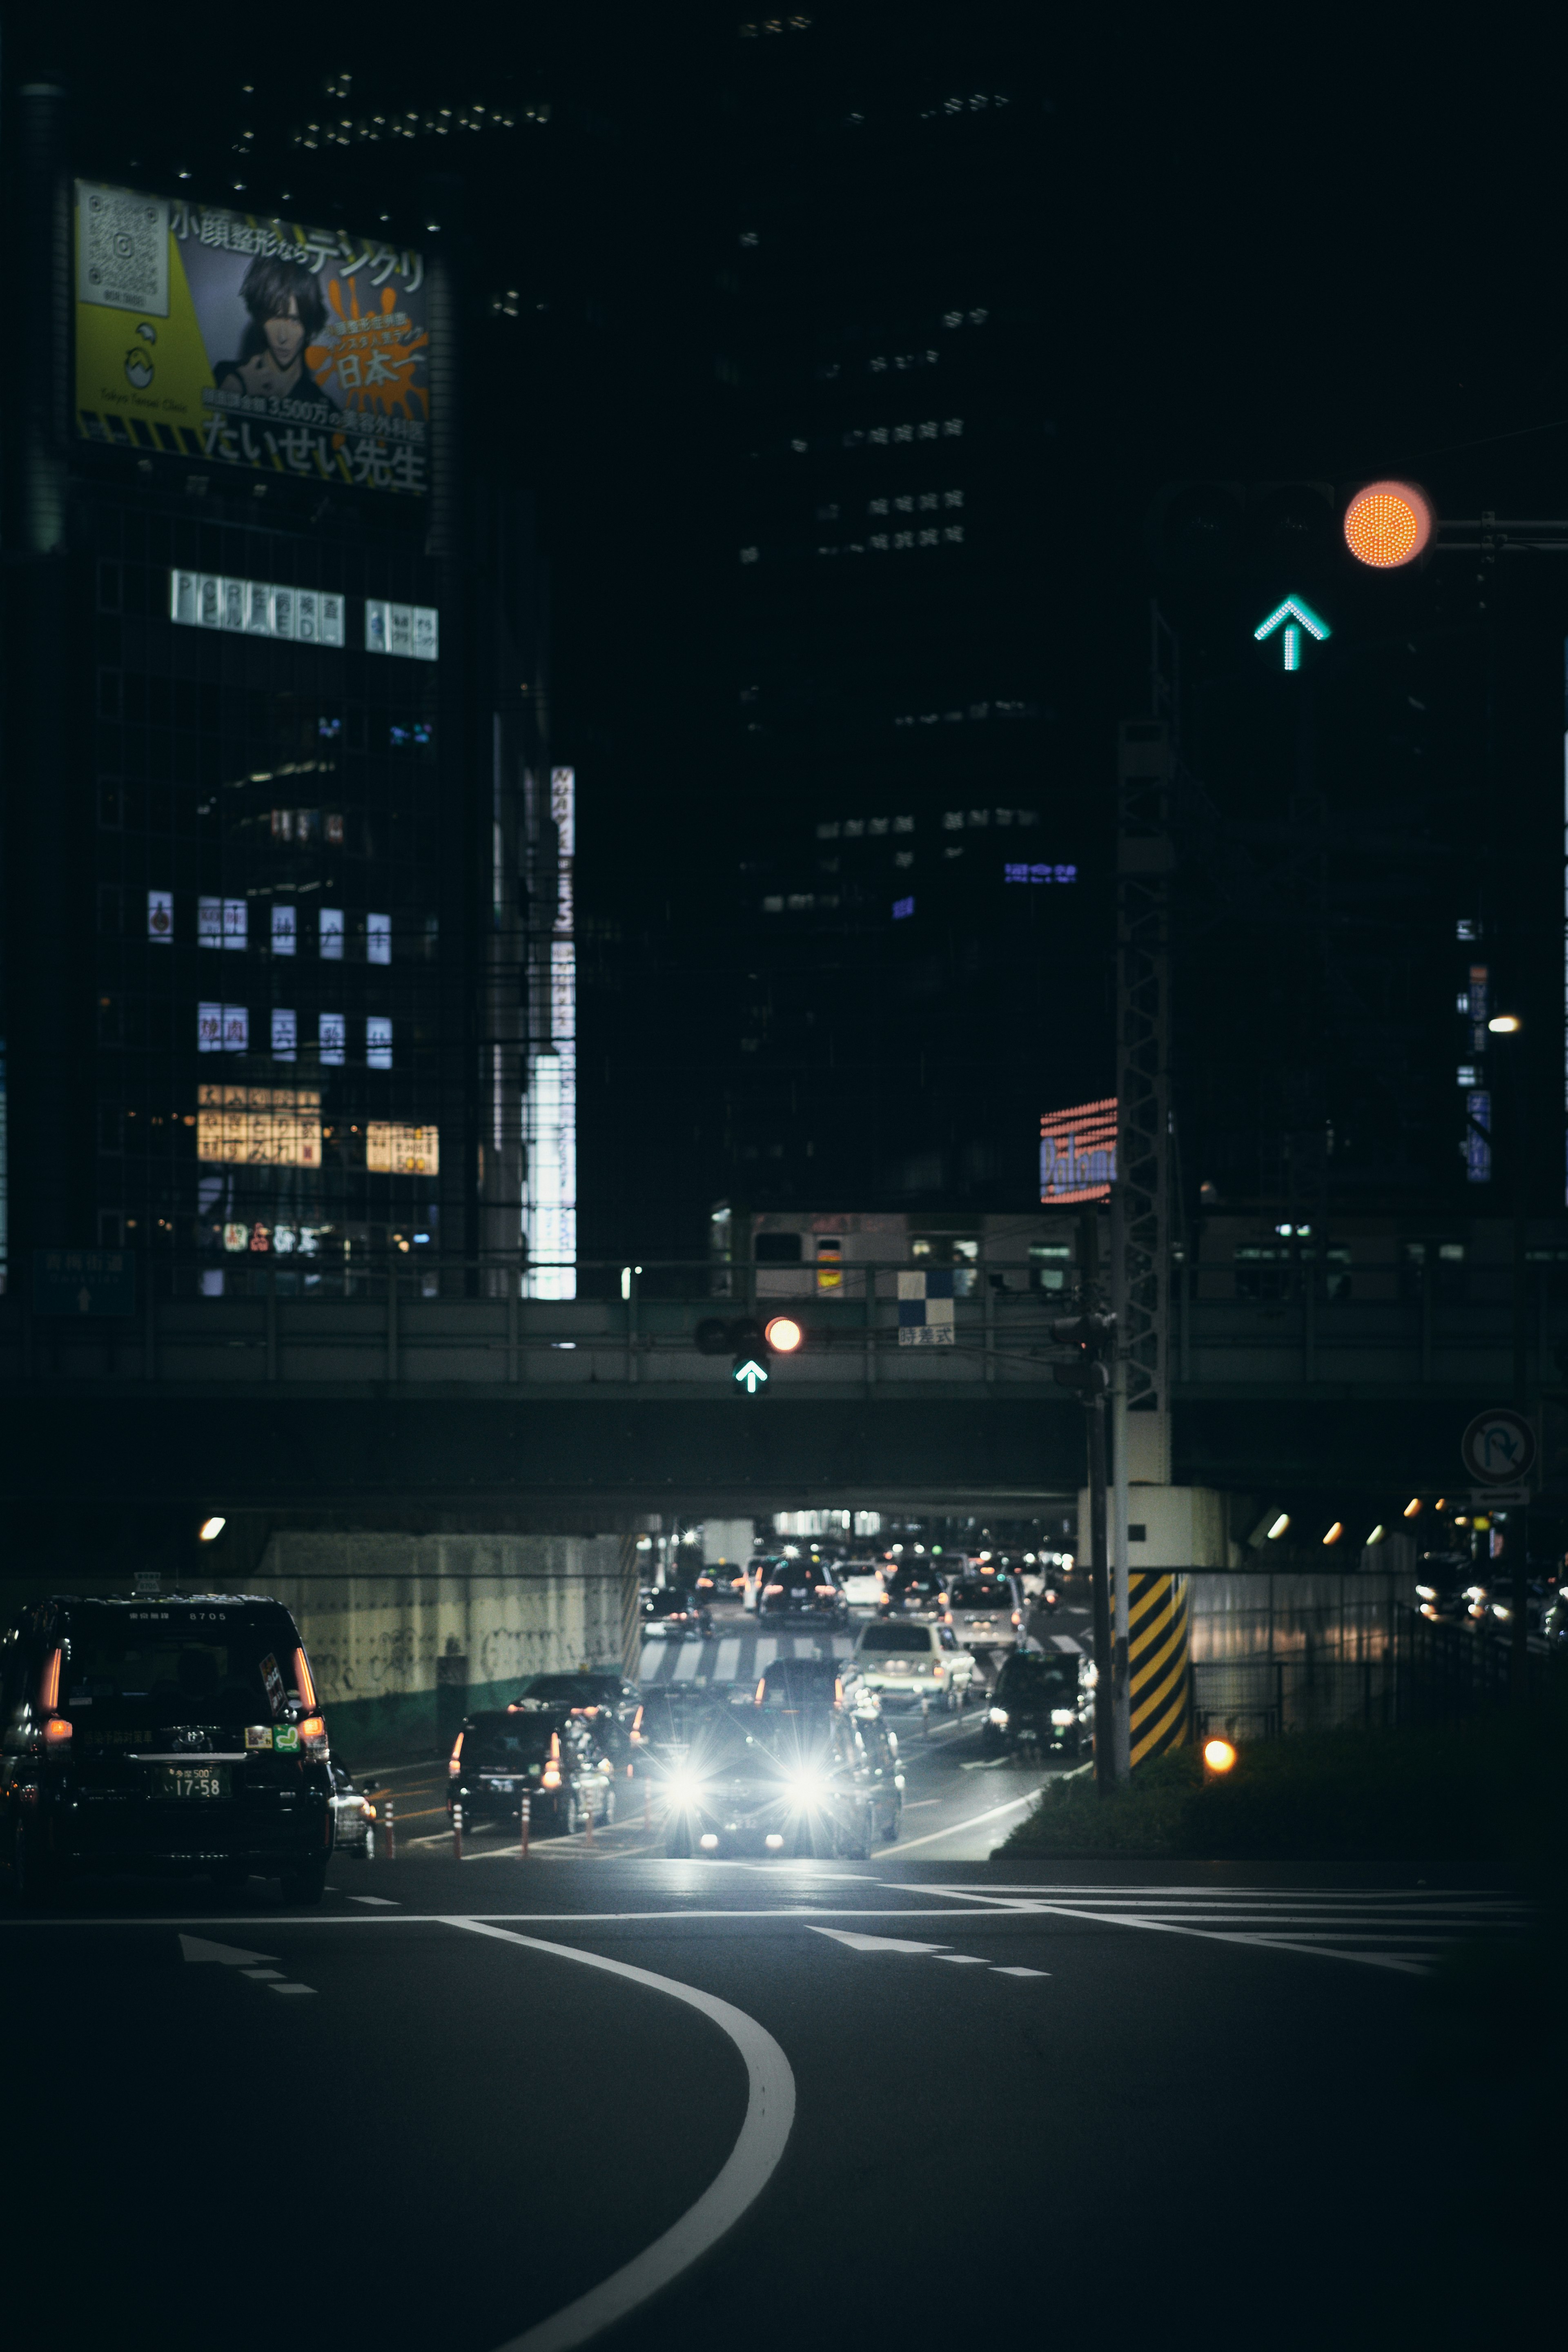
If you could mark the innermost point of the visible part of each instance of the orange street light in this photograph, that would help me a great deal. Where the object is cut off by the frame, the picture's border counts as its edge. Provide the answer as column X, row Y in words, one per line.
column 1218, row 1755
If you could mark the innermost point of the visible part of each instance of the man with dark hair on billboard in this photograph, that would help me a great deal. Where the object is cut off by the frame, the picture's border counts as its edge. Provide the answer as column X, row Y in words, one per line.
column 287, row 313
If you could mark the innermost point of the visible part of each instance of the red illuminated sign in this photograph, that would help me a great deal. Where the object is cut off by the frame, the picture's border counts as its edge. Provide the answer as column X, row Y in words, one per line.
column 1078, row 1152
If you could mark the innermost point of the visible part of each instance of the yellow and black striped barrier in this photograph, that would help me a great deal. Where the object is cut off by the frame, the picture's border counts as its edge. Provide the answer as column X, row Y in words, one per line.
column 1157, row 1661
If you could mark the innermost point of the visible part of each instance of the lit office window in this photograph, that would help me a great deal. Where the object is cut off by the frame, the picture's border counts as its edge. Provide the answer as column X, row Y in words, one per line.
column 332, row 1034
column 332, row 934
column 378, row 1042
column 378, row 939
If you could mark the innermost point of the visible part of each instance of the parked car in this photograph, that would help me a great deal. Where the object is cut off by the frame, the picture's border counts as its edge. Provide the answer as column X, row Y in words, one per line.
column 548, row 1753
column 801, row 1593
column 1042, row 1701
column 172, row 1735
column 861, row 1582
column 353, row 1815
column 914, row 1665
column 604, row 1697
column 674, row 1616
column 985, row 1608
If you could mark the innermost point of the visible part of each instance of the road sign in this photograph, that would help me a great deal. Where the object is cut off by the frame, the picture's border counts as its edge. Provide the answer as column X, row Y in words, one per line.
column 84, row 1282
column 1498, row 1447
column 1497, row 1498
column 1293, row 617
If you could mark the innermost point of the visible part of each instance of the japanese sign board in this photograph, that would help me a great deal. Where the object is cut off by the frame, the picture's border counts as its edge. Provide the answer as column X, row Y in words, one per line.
column 84, row 1282
column 258, row 344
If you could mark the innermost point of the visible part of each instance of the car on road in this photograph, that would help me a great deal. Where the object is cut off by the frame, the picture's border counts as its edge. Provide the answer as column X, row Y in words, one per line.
column 548, row 1754
column 808, row 1783
column 607, row 1700
column 673, row 1615
column 171, row 1733
column 861, row 1582
column 906, row 1664
column 986, row 1609
column 796, row 1683
column 759, row 1569
column 915, row 1588
column 801, row 1593
column 1043, row 1703
column 672, row 1725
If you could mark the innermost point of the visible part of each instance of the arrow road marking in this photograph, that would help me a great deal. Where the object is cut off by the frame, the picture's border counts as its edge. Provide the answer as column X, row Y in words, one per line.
column 227, row 1956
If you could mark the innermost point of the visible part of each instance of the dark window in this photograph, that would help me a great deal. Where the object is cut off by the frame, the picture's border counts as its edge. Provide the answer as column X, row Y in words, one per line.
column 778, row 1249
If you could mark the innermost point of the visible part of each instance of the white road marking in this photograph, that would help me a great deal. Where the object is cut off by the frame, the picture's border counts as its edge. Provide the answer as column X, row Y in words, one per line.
column 293, row 1988
column 913, row 1804
column 381, row 1902
column 745, row 2173
column 962, row 1960
column 874, row 1943
column 1020, row 1972
column 263, row 1975
column 995, row 1812
column 227, row 1956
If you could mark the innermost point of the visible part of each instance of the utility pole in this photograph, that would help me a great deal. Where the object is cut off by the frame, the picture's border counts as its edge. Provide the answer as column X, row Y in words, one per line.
column 1092, row 1332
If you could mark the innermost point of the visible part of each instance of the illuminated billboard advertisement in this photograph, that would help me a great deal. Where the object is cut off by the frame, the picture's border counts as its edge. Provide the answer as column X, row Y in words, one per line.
column 550, row 1102
column 1078, row 1152
column 258, row 344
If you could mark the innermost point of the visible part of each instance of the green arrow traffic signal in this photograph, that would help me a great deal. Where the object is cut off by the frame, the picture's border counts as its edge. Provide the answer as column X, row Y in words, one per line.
column 749, row 1374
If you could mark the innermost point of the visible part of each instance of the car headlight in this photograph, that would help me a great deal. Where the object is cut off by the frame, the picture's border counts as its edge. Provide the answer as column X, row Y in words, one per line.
column 1062, row 1715
column 1427, row 1593
column 684, row 1789
column 1000, row 1716
column 809, row 1787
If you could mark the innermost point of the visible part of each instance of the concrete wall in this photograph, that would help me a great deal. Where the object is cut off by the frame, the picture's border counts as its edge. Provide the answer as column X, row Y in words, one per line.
column 407, row 1633
column 1183, row 1527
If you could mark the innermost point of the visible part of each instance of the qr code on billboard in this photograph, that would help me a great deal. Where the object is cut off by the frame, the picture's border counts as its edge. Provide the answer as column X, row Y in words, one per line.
column 124, row 261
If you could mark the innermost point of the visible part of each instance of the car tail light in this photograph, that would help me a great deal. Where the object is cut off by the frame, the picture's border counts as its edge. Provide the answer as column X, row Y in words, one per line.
column 302, row 1682
column 49, row 1683
column 939, row 1670
column 772, row 1588
column 1016, row 1619
column 552, row 1776
column 454, row 1762
column 56, row 1731
column 637, row 1729
column 313, row 1735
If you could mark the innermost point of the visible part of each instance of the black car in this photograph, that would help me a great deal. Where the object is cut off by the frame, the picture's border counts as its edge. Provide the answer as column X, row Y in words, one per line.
column 1043, row 1701
column 178, row 1734
column 605, row 1699
column 546, row 1753
column 667, row 1610
column 805, row 1783
column 792, row 1683
column 914, row 1589
column 802, row 1593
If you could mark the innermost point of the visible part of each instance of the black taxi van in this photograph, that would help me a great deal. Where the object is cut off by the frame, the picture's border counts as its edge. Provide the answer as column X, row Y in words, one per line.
column 178, row 1733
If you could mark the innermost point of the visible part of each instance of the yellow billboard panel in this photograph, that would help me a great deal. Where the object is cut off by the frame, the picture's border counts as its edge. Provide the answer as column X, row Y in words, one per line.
column 392, row 1150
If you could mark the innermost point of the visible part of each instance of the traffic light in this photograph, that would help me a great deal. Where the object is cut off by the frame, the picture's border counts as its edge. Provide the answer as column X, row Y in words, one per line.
column 750, row 1343
column 1388, row 525
column 1094, row 1336
column 1229, row 530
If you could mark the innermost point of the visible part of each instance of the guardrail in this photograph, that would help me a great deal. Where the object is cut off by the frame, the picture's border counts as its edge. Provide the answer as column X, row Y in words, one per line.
column 424, row 1315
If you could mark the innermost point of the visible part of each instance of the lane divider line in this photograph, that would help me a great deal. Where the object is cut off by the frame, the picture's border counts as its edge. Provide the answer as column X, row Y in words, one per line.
column 745, row 2173
column 993, row 1812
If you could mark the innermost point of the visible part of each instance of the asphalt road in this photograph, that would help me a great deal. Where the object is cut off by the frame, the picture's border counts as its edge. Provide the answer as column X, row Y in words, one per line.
column 751, row 2105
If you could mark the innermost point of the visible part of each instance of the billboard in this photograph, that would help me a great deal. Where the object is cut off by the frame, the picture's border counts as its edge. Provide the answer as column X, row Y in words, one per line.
column 262, row 344
column 1078, row 1152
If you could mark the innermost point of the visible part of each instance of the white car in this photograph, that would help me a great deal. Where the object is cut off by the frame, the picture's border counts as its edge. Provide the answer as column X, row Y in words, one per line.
column 860, row 1582
column 913, row 1665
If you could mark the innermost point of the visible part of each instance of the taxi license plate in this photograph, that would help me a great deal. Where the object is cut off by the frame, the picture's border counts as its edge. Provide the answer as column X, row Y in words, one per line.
column 190, row 1780
column 501, row 1788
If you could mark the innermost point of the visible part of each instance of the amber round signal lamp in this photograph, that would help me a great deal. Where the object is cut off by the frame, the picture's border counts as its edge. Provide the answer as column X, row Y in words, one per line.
column 1388, row 524
column 1218, row 1755
column 783, row 1335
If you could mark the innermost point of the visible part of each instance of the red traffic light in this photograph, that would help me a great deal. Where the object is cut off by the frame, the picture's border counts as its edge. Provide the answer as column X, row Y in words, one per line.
column 1387, row 524
column 783, row 1334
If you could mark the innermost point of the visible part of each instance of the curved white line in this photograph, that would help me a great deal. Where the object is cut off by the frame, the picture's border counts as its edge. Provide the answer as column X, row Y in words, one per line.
column 770, row 2113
